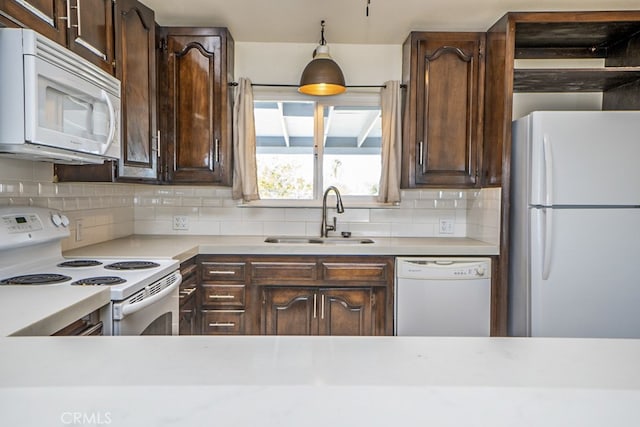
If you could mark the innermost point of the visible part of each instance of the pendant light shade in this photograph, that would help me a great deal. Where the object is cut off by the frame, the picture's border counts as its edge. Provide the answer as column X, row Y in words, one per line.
column 322, row 76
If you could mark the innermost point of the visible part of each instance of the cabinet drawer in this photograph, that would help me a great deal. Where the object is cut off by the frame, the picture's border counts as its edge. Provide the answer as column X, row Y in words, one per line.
column 223, row 322
column 355, row 272
column 223, row 271
column 288, row 272
column 223, row 295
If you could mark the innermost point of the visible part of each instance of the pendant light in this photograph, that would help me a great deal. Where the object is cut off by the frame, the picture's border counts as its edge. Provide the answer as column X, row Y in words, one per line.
column 322, row 76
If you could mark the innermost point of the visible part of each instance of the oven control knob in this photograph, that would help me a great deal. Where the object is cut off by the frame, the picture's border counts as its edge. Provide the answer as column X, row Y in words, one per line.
column 65, row 220
column 56, row 219
column 480, row 271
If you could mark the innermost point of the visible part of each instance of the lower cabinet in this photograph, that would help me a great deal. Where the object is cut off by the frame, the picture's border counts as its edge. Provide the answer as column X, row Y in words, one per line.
column 223, row 296
column 88, row 325
column 318, row 311
column 188, row 314
column 188, row 306
column 295, row 295
column 223, row 322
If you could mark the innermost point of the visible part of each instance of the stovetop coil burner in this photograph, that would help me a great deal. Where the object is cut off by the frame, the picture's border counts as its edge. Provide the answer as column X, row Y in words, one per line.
column 131, row 265
column 99, row 281
column 35, row 279
column 80, row 263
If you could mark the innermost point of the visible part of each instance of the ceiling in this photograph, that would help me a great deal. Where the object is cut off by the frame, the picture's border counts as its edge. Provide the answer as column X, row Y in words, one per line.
column 389, row 21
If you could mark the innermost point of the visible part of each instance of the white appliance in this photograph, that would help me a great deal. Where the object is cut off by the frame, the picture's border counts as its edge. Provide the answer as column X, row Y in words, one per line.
column 575, row 225
column 55, row 105
column 144, row 293
column 443, row 297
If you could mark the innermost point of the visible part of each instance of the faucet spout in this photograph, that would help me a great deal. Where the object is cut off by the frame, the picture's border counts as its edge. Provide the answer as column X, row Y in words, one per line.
column 324, row 227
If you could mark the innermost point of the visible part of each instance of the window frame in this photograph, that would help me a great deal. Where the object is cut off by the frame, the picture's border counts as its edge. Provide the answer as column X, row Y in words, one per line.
column 353, row 97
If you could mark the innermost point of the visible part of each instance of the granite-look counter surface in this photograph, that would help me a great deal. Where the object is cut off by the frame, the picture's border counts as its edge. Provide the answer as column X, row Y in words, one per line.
column 184, row 247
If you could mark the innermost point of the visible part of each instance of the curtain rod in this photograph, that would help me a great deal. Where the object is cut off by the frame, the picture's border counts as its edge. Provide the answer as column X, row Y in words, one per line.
column 403, row 86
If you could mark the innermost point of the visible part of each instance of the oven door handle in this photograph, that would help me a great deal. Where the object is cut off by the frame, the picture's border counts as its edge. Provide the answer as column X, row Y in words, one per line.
column 132, row 308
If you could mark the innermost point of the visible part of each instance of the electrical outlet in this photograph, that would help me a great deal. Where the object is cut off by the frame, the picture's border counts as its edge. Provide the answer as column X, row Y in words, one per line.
column 180, row 222
column 79, row 230
column 447, row 226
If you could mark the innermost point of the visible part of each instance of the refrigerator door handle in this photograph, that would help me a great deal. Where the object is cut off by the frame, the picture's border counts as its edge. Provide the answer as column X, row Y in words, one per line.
column 546, row 245
column 548, row 171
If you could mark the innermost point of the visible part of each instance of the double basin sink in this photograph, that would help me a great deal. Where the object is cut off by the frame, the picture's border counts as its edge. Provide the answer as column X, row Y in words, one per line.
column 319, row 240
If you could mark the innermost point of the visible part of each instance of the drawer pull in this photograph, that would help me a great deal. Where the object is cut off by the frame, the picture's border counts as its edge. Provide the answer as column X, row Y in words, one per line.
column 227, row 272
column 187, row 292
column 222, row 296
column 222, row 324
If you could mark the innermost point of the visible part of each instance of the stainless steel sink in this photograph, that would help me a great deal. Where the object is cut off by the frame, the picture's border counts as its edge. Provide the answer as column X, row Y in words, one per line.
column 287, row 239
column 318, row 240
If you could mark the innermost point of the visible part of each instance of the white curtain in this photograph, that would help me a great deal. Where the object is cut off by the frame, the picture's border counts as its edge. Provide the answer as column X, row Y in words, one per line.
column 245, row 177
column 389, row 189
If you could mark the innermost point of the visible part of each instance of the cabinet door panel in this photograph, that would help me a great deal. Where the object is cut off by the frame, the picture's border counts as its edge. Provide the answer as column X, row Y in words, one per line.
column 442, row 135
column 136, row 69
column 448, row 112
column 91, row 32
column 193, row 78
column 47, row 17
column 289, row 311
column 345, row 312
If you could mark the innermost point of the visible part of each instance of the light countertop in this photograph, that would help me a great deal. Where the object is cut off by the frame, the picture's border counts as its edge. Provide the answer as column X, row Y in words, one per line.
column 184, row 247
column 45, row 309
column 319, row 381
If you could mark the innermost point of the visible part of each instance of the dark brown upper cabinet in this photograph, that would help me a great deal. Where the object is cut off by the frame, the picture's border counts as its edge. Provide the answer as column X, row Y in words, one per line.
column 91, row 31
column 442, row 137
column 83, row 26
column 611, row 36
column 47, row 17
column 136, row 69
column 196, row 65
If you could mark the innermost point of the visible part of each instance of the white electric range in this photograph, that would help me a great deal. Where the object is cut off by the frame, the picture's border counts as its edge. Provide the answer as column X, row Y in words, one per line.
column 144, row 292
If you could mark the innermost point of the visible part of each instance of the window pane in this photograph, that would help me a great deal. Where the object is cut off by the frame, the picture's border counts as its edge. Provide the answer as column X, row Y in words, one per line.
column 284, row 149
column 352, row 149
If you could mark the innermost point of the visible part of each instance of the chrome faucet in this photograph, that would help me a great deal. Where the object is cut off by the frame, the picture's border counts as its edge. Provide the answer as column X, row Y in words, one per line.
column 324, row 227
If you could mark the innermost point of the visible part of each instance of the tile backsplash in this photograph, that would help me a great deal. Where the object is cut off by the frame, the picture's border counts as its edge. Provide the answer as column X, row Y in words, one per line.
column 102, row 211
column 107, row 211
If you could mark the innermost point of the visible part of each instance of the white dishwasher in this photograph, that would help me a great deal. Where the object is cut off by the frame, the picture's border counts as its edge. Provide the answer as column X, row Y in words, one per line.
column 443, row 296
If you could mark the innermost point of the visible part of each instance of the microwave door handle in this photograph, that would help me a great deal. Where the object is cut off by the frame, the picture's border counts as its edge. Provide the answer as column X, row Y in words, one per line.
column 112, row 119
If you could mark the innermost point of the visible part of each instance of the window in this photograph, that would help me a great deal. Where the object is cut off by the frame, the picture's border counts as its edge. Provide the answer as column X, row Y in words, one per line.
column 304, row 146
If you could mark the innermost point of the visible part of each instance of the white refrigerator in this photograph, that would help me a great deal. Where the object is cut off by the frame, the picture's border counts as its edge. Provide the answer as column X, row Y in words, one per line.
column 575, row 225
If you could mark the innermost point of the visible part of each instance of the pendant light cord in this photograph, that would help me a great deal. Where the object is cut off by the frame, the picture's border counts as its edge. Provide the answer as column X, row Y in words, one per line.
column 322, row 40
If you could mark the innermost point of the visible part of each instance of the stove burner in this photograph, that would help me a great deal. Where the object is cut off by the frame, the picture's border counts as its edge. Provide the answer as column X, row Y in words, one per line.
column 80, row 263
column 131, row 265
column 99, row 281
column 35, row 279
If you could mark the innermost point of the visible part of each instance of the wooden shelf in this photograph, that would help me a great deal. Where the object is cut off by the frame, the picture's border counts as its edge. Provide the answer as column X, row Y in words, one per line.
column 573, row 80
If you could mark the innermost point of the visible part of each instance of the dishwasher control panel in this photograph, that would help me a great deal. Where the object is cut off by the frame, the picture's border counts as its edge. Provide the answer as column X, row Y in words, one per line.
column 444, row 268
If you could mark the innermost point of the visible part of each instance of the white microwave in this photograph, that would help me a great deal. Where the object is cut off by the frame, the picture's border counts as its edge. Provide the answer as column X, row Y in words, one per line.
column 55, row 105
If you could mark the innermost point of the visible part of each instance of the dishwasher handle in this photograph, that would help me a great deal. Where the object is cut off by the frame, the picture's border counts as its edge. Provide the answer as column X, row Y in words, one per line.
column 443, row 268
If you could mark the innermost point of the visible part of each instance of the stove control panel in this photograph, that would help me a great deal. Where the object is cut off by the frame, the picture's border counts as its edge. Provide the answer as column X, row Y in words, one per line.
column 29, row 225
column 21, row 223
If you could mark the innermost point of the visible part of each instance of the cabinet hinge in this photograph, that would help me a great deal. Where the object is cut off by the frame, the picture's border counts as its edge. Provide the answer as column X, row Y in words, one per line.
column 373, row 300
column 163, row 45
